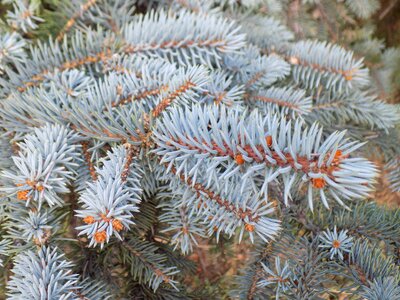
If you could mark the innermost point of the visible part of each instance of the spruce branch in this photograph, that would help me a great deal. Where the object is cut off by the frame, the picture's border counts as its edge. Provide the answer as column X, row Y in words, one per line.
column 263, row 71
column 147, row 265
column 363, row 8
column 44, row 166
column 361, row 108
column 42, row 275
column 286, row 101
column 58, row 56
column 11, row 48
column 252, row 146
column 84, row 48
column 185, row 226
column 23, row 16
column 367, row 264
column 109, row 202
column 71, row 21
column 225, row 211
column 366, row 220
column 213, row 37
column 183, row 90
column 393, row 166
column 316, row 63
column 220, row 89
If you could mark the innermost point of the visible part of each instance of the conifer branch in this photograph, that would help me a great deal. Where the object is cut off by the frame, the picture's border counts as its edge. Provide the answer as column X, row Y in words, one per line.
column 156, row 271
column 44, row 167
column 323, row 63
column 148, row 23
column 38, row 78
column 283, row 100
column 145, row 257
column 250, row 214
column 265, row 144
column 165, row 102
column 70, row 23
column 142, row 95
column 106, row 214
column 200, row 189
column 259, row 271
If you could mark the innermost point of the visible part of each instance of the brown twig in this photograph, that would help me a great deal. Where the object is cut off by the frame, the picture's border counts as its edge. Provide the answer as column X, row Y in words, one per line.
column 70, row 23
column 156, row 270
column 87, row 156
column 258, row 272
column 202, row 190
column 171, row 97
column 387, row 10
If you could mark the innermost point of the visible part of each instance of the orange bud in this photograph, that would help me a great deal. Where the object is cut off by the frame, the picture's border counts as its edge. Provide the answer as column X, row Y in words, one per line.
column 104, row 217
column 70, row 23
column 40, row 188
column 26, row 14
column 100, row 236
column 318, row 183
column 117, row 225
column 336, row 244
column 23, row 195
column 338, row 155
column 249, row 227
column 348, row 77
column 239, row 159
column 268, row 140
column 294, row 60
column 88, row 220
column 30, row 183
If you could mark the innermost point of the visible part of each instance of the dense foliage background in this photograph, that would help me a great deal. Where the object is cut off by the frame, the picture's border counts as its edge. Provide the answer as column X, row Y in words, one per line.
column 215, row 266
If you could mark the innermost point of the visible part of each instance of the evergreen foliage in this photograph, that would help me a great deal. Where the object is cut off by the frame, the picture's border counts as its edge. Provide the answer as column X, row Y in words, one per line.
column 137, row 130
